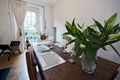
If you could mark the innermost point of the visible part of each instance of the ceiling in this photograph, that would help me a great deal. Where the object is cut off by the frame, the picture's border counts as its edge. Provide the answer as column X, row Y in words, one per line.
column 48, row 1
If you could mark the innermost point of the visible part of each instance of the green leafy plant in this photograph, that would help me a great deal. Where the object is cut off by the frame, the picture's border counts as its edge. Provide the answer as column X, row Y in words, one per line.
column 91, row 38
column 42, row 36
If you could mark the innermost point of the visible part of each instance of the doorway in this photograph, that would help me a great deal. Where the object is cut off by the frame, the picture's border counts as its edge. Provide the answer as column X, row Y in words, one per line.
column 34, row 23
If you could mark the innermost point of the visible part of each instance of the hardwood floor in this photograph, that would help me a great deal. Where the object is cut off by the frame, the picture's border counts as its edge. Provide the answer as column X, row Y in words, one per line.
column 18, row 64
column 19, row 67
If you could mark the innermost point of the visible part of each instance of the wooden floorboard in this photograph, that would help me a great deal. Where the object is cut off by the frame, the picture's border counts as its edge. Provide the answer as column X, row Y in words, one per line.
column 18, row 64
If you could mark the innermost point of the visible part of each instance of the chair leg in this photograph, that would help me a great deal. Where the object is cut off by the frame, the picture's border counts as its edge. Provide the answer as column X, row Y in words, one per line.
column 10, row 55
column 1, row 52
column 19, row 50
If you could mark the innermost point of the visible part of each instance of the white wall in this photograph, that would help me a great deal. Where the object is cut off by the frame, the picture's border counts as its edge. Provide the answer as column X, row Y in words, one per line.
column 7, row 27
column 83, row 11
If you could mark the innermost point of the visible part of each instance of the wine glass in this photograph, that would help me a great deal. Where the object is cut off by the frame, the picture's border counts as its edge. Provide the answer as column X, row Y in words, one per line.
column 64, row 45
column 71, row 60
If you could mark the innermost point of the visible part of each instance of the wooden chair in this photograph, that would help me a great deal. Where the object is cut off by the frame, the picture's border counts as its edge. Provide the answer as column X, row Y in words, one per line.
column 32, row 68
column 14, row 46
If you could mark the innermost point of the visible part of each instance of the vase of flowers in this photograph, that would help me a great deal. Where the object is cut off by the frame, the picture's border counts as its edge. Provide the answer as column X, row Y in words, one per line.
column 88, row 66
column 88, row 40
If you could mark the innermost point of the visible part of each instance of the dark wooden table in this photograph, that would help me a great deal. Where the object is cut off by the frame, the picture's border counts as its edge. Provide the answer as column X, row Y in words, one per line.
column 106, row 70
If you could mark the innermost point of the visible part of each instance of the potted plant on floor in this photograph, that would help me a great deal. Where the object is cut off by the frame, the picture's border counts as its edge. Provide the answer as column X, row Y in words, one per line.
column 90, row 39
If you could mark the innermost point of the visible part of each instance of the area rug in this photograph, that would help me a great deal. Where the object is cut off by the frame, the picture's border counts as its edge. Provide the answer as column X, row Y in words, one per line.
column 4, row 73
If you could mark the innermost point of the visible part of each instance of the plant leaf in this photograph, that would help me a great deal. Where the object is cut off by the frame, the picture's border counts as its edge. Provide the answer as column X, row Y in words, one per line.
column 73, row 22
column 104, row 48
column 114, row 36
column 112, row 20
column 100, row 27
column 66, row 33
column 69, row 29
column 93, row 33
column 110, row 42
column 114, row 29
column 77, row 49
column 71, row 41
column 79, row 26
column 83, row 24
column 115, row 50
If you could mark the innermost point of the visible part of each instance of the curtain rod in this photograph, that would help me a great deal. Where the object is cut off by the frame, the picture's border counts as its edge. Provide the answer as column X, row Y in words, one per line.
column 30, row 3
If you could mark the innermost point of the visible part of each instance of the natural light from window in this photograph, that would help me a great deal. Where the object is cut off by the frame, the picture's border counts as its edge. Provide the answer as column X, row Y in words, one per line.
column 30, row 26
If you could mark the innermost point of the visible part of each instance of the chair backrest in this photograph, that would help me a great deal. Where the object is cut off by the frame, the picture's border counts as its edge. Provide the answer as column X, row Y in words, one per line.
column 15, row 43
column 31, row 66
column 42, row 76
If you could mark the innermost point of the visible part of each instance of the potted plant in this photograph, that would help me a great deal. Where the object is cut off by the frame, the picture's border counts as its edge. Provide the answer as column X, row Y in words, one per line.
column 42, row 36
column 88, row 40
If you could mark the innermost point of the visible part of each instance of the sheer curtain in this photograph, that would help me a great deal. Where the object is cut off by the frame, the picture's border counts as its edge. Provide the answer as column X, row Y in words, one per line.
column 19, row 11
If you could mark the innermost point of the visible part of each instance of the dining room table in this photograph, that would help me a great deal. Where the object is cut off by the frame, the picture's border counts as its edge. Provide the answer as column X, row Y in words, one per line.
column 57, row 66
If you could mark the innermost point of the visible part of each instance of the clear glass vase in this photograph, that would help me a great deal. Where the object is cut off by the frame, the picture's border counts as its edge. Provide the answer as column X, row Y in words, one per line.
column 87, row 65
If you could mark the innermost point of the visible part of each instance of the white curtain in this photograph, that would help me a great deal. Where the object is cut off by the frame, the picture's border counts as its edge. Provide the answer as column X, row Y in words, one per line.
column 19, row 11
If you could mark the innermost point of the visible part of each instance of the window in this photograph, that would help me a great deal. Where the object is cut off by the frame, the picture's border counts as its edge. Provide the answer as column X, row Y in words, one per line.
column 34, row 23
